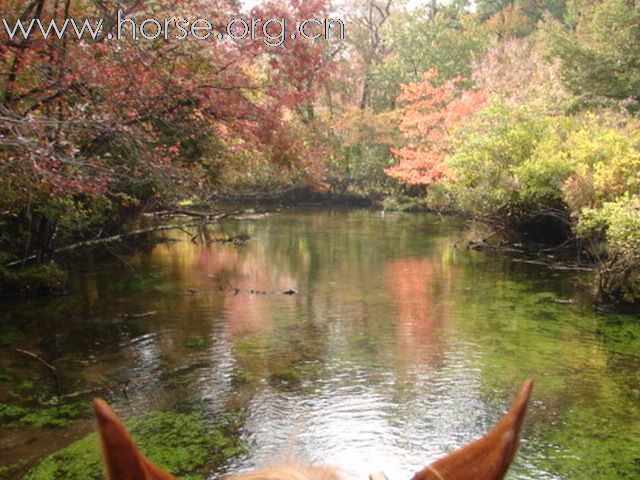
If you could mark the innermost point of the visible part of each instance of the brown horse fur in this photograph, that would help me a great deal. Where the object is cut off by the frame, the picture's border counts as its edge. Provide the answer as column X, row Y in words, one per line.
column 487, row 458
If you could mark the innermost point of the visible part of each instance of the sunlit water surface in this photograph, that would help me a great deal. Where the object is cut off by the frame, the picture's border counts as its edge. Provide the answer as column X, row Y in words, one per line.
column 397, row 348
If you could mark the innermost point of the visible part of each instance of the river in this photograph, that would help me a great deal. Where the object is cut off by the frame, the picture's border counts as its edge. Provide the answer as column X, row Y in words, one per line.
column 396, row 347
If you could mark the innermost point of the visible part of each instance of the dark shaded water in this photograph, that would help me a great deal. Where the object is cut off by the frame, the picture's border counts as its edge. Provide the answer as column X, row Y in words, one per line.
column 397, row 348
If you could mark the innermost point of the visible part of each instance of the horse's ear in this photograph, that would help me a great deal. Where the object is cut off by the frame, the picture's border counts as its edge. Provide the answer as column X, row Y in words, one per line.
column 489, row 457
column 122, row 458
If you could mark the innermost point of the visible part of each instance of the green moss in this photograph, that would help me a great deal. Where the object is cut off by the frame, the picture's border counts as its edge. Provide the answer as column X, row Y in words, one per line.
column 79, row 461
column 182, row 443
column 45, row 279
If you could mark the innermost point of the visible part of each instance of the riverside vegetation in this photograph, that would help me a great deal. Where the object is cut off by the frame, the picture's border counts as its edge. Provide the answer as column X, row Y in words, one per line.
column 522, row 114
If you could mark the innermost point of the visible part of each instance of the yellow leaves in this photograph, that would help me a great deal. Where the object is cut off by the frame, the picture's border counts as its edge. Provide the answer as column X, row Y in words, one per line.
column 607, row 163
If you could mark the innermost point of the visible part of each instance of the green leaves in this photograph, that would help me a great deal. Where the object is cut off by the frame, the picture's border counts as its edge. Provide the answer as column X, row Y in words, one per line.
column 496, row 166
column 600, row 50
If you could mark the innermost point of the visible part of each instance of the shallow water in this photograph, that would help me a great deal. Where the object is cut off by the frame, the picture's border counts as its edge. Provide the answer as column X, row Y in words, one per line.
column 397, row 347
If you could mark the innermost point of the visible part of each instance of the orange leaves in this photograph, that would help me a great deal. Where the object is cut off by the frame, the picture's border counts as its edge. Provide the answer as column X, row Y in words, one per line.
column 426, row 121
column 418, row 166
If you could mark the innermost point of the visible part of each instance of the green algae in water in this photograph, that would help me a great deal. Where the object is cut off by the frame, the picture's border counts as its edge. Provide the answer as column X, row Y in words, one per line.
column 57, row 417
column 10, row 413
column 134, row 284
column 182, row 443
column 196, row 343
column 242, row 378
column 50, row 417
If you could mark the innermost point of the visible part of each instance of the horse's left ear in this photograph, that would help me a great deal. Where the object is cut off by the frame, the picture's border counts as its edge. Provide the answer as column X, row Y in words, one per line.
column 122, row 458
column 489, row 457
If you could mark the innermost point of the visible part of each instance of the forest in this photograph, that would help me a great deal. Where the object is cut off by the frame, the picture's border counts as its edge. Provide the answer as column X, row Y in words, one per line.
column 520, row 114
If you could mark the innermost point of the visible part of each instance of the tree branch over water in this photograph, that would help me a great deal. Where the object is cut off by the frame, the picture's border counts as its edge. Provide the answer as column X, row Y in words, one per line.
column 116, row 238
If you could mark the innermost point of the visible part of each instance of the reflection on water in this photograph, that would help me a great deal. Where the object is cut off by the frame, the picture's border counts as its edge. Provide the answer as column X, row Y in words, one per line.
column 396, row 349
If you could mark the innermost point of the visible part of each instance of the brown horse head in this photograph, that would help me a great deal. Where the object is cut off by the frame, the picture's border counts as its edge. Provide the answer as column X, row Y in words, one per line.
column 487, row 458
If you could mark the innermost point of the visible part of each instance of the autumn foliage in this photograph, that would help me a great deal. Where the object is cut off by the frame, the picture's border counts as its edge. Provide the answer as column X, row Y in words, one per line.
column 92, row 129
column 430, row 114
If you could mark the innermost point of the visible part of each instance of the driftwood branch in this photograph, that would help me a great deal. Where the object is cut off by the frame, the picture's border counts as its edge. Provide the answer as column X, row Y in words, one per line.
column 133, row 233
column 555, row 266
column 187, row 213
column 139, row 315
column 53, row 370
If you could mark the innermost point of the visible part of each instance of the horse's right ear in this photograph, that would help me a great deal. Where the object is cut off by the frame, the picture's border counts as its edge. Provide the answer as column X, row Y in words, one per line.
column 489, row 457
column 122, row 458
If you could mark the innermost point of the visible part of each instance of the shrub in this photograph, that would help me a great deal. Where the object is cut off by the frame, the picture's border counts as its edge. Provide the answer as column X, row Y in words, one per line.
column 508, row 166
column 619, row 221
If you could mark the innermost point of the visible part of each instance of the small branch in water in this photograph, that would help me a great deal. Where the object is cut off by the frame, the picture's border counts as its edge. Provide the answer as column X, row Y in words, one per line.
column 124, row 389
column 53, row 370
column 482, row 246
column 493, row 234
column 565, row 301
column 573, row 268
column 558, row 247
column 554, row 266
column 138, row 315
column 237, row 240
column 126, row 385
column 236, row 291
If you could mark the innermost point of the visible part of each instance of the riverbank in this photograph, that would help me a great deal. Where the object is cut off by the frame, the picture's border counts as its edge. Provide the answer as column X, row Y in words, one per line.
column 29, row 278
